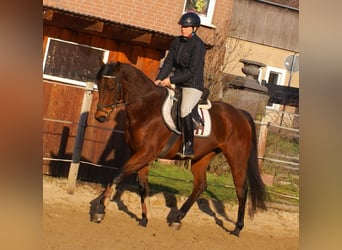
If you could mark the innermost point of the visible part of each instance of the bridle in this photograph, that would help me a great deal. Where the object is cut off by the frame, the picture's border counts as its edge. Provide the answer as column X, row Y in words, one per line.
column 115, row 102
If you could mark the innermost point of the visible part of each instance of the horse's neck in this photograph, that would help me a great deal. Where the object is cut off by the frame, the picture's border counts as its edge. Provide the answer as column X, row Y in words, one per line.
column 137, row 85
column 142, row 91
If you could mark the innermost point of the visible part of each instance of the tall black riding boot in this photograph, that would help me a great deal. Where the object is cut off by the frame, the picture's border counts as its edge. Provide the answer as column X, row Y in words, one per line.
column 188, row 138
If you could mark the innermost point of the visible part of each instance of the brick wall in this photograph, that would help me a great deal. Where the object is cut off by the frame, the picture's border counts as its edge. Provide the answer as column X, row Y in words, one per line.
column 159, row 15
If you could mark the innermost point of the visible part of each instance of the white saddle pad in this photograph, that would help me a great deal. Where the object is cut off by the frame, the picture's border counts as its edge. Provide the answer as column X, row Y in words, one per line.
column 203, row 111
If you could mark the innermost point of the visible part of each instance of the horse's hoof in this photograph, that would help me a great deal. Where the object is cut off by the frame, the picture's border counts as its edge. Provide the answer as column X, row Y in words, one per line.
column 176, row 225
column 97, row 218
column 236, row 232
column 143, row 222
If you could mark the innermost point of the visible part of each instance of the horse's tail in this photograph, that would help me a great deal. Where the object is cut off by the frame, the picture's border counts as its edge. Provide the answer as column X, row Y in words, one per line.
column 256, row 185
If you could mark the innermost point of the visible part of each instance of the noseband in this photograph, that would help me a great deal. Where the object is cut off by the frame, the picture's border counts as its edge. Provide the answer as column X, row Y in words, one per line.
column 115, row 102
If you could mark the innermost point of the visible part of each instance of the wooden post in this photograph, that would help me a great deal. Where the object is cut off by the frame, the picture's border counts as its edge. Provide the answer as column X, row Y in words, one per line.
column 262, row 143
column 76, row 157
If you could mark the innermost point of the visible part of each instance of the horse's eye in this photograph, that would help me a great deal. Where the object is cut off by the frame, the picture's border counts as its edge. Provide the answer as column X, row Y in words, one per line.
column 111, row 87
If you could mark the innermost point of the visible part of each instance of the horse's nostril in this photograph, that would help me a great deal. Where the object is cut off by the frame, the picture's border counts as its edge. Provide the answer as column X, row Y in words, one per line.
column 100, row 118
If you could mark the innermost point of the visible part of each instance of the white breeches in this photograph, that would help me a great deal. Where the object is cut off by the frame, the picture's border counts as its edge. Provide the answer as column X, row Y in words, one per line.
column 190, row 97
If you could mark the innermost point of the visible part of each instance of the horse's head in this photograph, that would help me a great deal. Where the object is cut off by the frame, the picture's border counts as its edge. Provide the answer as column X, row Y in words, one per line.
column 110, row 90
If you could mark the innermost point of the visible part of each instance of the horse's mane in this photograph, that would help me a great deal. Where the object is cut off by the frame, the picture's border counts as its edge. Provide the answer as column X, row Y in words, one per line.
column 139, row 73
column 108, row 69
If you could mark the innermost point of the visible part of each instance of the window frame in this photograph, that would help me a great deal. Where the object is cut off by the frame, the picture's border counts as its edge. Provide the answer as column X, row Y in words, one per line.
column 206, row 19
column 69, row 80
column 281, row 81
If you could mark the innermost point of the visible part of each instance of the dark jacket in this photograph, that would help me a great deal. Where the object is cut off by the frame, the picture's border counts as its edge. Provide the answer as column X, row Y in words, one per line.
column 186, row 57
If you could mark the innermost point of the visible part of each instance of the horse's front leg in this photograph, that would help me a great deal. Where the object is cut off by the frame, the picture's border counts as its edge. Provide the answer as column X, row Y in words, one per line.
column 97, row 211
column 143, row 191
column 137, row 163
column 198, row 170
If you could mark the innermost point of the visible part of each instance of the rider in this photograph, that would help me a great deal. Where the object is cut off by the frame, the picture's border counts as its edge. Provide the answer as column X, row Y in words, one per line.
column 186, row 58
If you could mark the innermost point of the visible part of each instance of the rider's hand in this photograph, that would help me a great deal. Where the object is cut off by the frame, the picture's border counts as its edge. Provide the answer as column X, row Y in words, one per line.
column 157, row 82
column 166, row 82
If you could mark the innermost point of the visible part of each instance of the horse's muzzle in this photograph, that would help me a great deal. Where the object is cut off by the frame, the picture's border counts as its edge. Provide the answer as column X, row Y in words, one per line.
column 101, row 115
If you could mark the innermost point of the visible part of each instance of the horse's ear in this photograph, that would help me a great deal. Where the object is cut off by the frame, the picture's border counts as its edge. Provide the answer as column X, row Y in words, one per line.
column 101, row 62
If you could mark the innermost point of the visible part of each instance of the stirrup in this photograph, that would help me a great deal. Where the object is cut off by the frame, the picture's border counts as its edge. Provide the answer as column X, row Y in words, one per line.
column 185, row 156
column 186, row 152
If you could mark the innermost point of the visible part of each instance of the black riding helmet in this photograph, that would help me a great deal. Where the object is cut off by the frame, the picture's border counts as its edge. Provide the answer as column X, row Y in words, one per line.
column 190, row 19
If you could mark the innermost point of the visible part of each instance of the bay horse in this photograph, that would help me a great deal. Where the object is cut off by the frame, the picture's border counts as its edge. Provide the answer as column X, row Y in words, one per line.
column 233, row 133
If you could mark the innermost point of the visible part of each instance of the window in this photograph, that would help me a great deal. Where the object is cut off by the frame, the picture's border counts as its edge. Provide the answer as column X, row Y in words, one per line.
column 72, row 63
column 204, row 8
column 274, row 76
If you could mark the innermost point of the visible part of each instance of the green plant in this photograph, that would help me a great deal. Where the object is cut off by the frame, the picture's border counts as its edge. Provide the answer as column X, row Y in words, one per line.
column 282, row 144
column 170, row 178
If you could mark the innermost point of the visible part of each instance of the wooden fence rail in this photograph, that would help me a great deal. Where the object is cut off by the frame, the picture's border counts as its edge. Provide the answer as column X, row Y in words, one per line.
column 88, row 125
column 262, row 145
column 170, row 178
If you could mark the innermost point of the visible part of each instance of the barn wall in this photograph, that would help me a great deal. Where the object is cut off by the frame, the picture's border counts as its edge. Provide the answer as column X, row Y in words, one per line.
column 62, row 105
column 104, row 143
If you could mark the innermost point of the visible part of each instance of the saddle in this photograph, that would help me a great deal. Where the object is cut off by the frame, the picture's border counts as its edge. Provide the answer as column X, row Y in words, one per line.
column 200, row 114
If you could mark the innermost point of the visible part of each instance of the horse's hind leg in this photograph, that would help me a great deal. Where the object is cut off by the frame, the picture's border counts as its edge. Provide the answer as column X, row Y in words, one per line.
column 238, row 166
column 198, row 170
column 241, row 192
column 143, row 191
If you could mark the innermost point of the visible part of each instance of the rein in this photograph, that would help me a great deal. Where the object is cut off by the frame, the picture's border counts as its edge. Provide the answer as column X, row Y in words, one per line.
column 116, row 103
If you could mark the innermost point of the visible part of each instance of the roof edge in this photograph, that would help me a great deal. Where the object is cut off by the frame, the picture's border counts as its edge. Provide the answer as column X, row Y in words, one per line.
column 97, row 18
